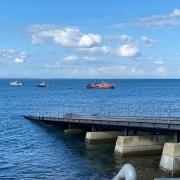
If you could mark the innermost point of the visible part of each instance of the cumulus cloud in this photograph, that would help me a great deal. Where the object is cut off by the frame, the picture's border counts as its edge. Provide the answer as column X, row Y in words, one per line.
column 175, row 13
column 70, row 59
column 148, row 41
column 64, row 36
column 71, row 37
column 18, row 57
column 127, row 50
column 155, row 21
column 19, row 60
column 89, row 40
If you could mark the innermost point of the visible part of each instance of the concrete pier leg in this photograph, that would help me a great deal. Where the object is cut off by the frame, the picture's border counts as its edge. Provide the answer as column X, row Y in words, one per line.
column 135, row 131
column 170, row 159
column 126, row 131
column 102, row 136
column 73, row 131
column 176, row 136
column 69, row 125
column 147, row 144
column 93, row 128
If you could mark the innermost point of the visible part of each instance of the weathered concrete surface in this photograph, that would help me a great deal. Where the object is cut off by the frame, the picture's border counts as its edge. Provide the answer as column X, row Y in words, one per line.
column 73, row 131
column 146, row 144
column 170, row 159
column 102, row 136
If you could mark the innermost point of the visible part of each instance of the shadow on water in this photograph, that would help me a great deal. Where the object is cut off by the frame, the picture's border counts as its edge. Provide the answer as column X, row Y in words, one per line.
column 101, row 156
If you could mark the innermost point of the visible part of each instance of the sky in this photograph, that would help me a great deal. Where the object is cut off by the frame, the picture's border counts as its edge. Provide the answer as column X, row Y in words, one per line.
column 90, row 39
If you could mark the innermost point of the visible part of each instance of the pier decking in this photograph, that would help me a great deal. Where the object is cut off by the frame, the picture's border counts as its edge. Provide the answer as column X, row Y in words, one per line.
column 172, row 123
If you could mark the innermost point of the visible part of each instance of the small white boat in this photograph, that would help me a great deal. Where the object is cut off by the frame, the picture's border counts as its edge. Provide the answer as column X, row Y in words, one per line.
column 16, row 83
column 42, row 84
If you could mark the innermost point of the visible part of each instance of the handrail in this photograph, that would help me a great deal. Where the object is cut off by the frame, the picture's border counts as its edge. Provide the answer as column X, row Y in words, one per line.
column 151, row 108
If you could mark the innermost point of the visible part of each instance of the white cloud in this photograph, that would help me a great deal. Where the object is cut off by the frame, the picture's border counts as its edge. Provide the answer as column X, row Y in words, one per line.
column 89, row 40
column 148, row 41
column 175, row 13
column 97, row 50
column 64, row 36
column 71, row 60
column 121, row 38
column 74, row 58
column 154, row 21
column 112, row 71
column 127, row 50
column 160, row 61
column 18, row 57
column 19, row 60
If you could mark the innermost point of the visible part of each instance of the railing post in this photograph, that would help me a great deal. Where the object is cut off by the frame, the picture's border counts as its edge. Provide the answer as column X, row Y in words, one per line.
column 128, row 108
column 141, row 109
column 153, row 111
column 169, row 111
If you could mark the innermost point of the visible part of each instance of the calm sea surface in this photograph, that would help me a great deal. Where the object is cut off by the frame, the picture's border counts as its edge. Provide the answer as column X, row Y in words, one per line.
column 41, row 151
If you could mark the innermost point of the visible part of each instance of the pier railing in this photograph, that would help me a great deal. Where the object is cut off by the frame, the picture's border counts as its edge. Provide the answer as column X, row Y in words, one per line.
column 154, row 109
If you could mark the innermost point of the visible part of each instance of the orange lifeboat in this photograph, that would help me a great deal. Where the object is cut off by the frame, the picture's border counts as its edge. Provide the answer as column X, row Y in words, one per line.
column 100, row 86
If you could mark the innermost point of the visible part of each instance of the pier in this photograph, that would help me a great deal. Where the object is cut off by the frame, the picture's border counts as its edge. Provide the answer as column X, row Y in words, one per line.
column 137, row 127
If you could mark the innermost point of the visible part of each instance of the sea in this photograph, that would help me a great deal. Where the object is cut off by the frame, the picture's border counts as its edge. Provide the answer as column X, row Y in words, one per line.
column 30, row 150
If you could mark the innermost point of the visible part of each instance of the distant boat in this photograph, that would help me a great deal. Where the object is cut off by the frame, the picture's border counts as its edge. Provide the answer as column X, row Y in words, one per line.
column 16, row 83
column 103, row 85
column 42, row 84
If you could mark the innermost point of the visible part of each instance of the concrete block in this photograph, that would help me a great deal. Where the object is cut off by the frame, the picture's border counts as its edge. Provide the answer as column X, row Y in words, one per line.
column 73, row 131
column 170, row 159
column 102, row 136
column 146, row 144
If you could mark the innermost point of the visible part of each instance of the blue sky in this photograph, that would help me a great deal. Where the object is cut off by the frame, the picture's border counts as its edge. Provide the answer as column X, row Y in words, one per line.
column 89, row 39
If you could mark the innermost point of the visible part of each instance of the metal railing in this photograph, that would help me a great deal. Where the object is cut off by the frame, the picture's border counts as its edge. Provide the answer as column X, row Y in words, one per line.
column 154, row 109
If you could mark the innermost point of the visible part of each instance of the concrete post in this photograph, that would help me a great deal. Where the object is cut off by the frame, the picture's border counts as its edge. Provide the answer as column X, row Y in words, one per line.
column 126, row 131
column 93, row 128
column 170, row 160
column 102, row 136
column 176, row 136
column 73, row 131
column 147, row 144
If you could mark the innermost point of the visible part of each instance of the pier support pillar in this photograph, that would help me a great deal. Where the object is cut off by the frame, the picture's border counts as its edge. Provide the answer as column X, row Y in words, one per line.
column 170, row 159
column 73, row 131
column 147, row 144
column 176, row 136
column 93, row 128
column 102, row 136
column 126, row 131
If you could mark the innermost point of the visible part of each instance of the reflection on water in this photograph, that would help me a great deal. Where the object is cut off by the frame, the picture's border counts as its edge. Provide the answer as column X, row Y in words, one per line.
column 101, row 158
